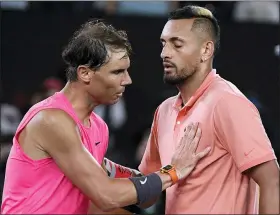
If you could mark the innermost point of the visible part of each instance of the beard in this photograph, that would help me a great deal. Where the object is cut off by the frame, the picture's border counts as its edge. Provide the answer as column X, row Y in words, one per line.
column 177, row 77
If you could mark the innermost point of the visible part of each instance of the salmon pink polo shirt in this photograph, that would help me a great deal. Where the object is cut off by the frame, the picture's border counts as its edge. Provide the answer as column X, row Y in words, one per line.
column 232, row 126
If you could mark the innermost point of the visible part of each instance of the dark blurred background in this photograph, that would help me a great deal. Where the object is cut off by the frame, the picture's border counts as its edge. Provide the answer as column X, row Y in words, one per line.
column 34, row 33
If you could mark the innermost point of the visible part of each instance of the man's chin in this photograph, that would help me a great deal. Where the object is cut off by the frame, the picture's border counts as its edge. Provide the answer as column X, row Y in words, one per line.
column 113, row 101
column 172, row 82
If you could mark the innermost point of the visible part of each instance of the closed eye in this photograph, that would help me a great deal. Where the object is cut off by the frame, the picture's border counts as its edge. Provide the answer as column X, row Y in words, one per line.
column 177, row 46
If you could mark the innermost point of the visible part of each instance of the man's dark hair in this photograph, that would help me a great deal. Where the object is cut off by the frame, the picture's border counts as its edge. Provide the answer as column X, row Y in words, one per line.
column 204, row 21
column 90, row 45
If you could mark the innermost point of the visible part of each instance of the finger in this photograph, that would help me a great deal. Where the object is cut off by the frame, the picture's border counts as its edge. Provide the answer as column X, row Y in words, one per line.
column 190, row 136
column 186, row 132
column 188, row 129
column 203, row 153
column 180, row 146
column 196, row 139
column 182, row 143
column 184, row 140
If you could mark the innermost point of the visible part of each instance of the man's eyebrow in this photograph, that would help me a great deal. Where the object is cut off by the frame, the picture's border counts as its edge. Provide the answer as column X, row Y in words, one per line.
column 172, row 39
column 176, row 39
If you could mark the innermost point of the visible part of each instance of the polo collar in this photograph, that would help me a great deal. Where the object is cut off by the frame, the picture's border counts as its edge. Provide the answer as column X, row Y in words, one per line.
column 205, row 84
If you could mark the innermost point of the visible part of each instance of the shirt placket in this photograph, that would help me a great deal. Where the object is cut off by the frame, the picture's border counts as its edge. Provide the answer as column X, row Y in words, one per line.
column 180, row 124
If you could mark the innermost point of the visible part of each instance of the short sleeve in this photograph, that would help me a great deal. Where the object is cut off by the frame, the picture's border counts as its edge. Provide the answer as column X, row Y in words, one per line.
column 151, row 159
column 239, row 128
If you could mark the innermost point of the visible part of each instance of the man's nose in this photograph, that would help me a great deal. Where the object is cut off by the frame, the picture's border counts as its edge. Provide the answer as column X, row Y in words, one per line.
column 165, row 52
column 127, row 80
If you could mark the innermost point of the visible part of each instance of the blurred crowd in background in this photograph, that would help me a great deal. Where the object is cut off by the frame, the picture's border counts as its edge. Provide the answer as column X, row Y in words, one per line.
column 14, row 106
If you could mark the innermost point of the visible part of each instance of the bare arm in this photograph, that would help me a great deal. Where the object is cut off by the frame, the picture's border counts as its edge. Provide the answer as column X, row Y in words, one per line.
column 58, row 135
column 266, row 175
column 93, row 209
column 114, row 170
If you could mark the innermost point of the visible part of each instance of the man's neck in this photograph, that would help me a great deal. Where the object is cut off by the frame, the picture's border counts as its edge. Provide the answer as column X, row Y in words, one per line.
column 80, row 101
column 190, row 86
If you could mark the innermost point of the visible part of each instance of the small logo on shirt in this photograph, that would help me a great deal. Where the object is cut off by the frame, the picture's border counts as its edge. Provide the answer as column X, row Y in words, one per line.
column 247, row 153
column 143, row 182
column 97, row 143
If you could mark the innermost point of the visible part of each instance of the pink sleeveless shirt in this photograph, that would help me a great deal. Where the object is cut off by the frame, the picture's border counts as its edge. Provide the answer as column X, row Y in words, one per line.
column 39, row 186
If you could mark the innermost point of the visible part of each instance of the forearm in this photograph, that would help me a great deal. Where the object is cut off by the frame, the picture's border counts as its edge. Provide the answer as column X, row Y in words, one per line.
column 153, row 201
column 269, row 199
column 114, row 170
column 121, row 192
column 93, row 209
column 125, row 192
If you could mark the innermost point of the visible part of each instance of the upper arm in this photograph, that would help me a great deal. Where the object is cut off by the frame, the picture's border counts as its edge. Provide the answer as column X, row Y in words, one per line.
column 58, row 135
column 265, row 174
column 151, row 158
column 239, row 127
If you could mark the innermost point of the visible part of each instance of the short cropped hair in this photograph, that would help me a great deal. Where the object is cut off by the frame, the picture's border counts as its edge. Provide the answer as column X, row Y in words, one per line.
column 204, row 21
column 90, row 45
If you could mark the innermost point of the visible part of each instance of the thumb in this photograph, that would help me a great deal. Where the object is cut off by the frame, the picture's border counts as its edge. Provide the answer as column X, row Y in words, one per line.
column 203, row 153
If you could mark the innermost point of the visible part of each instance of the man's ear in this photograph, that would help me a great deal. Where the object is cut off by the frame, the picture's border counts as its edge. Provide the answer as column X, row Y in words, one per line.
column 84, row 73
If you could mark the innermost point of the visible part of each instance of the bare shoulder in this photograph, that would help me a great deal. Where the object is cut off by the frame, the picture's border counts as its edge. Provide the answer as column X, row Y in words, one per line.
column 50, row 118
column 53, row 128
column 44, row 131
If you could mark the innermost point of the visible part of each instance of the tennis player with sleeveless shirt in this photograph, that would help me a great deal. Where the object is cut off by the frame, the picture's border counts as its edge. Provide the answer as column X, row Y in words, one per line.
column 55, row 164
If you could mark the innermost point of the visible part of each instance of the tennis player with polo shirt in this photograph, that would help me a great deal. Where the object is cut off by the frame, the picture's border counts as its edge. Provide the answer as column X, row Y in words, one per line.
column 241, row 173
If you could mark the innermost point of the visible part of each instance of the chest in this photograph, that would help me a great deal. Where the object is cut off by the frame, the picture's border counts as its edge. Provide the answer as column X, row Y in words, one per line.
column 172, row 125
column 95, row 140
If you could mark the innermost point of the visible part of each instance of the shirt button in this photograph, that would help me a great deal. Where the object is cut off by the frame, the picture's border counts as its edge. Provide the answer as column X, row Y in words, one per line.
column 178, row 122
